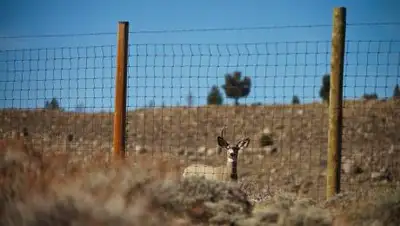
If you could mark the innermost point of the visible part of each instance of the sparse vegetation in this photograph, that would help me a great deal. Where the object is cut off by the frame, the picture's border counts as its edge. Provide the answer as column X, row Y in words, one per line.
column 101, row 192
column 148, row 185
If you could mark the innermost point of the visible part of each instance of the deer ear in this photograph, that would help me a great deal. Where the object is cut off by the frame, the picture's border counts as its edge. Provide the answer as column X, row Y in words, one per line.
column 222, row 142
column 243, row 143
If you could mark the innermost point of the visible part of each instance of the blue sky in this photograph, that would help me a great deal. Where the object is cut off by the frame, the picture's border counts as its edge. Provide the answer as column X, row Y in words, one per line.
column 164, row 66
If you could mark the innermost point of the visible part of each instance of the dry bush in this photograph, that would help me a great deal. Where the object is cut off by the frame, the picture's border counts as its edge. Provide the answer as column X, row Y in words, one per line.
column 60, row 190
column 288, row 209
column 383, row 209
column 123, row 193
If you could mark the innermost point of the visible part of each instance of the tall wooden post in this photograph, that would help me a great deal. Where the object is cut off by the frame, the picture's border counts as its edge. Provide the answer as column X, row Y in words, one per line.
column 120, row 90
column 335, row 102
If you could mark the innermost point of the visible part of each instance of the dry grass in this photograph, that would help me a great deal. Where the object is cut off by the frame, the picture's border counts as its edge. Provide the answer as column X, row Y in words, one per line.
column 58, row 191
column 384, row 209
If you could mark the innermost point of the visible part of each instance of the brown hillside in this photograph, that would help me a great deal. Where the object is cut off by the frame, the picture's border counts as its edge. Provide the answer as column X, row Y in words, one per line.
column 370, row 139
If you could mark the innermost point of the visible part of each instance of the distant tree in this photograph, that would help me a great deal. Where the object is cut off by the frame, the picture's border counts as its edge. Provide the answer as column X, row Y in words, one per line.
column 325, row 88
column 256, row 104
column 214, row 96
column 236, row 88
column 295, row 100
column 152, row 104
column 80, row 107
column 372, row 96
column 52, row 105
column 396, row 92
column 190, row 99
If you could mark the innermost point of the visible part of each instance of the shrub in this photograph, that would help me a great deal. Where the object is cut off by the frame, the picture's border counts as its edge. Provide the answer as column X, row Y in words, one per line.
column 295, row 100
column 266, row 140
column 214, row 96
column 372, row 96
column 256, row 104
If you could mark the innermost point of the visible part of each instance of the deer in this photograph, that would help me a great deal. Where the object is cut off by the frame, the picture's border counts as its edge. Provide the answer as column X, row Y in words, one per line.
column 226, row 172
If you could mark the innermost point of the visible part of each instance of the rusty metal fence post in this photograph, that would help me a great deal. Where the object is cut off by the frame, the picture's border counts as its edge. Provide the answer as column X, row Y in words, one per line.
column 120, row 90
column 335, row 102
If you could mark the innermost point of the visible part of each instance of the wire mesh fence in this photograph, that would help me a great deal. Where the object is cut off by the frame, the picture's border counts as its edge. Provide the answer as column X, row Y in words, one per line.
column 179, row 89
column 61, row 97
column 180, row 96
column 371, row 107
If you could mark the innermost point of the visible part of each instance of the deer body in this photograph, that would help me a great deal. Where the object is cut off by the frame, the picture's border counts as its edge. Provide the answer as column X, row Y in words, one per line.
column 227, row 172
column 220, row 173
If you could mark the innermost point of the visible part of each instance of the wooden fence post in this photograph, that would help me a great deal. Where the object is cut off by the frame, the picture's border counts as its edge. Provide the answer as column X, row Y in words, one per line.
column 335, row 102
column 120, row 90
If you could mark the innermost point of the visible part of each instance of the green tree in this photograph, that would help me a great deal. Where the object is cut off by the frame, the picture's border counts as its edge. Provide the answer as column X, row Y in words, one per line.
column 235, row 87
column 214, row 96
column 52, row 105
column 295, row 100
column 325, row 87
column 396, row 92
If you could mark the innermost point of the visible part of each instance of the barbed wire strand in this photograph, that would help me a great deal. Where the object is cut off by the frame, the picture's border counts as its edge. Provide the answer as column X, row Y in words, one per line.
column 197, row 30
